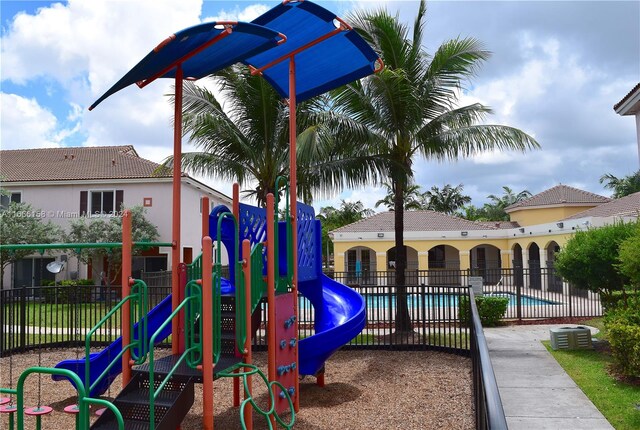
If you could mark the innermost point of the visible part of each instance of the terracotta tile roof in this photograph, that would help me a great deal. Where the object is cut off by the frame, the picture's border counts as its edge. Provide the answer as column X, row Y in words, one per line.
column 560, row 195
column 76, row 163
column 624, row 206
column 625, row 98
column 421, row 221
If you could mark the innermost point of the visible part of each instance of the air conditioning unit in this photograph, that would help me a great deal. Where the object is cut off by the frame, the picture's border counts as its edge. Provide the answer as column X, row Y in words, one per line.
column 570, row 338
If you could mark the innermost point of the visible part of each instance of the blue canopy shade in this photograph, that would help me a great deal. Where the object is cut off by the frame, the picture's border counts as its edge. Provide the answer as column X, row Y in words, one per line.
column 245, row 39
column 337, row 60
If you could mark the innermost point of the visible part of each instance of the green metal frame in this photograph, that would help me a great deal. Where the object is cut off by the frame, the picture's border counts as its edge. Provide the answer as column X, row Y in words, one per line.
column 194, row 270
column 139, row 308
column 42, row 246
column 239, row 371
column 193, row 294
column 284, row 283
column 83, row 400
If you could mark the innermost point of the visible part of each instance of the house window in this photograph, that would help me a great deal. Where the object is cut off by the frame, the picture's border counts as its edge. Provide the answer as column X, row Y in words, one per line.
column 5, row 200
column 148, row 264
column 101, row 202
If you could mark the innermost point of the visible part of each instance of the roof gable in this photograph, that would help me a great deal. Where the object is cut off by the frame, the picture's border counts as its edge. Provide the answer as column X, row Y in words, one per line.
column 77, row 163
column 560, row 195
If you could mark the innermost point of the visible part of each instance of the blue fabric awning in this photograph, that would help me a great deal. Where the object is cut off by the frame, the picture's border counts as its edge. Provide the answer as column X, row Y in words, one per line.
column 246, row 39
column 335, row 61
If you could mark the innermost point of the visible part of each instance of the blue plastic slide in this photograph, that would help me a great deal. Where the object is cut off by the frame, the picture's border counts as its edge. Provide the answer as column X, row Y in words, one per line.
column 100, row 360
column 340, row 315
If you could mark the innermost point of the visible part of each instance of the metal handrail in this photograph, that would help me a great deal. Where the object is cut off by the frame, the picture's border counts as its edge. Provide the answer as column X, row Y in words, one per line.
column 83, row 399
column 137, row 297
column 189, row 350
column 489, row 409
column 43, row 246
column 283, row 283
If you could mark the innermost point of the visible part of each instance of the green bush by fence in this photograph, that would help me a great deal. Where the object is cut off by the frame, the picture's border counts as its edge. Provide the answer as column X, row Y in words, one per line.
column 623, row 330
column 490, row 309
column 77, row 290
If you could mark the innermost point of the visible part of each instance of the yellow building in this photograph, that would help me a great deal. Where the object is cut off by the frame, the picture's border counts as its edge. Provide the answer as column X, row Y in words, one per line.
column 445, row 244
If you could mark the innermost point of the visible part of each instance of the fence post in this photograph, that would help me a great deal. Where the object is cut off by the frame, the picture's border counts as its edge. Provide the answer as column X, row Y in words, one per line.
column 519, row 301
column 23, row 317
column 570, row 301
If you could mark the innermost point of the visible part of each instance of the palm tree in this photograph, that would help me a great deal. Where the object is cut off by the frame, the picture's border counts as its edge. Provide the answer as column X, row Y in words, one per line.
column 411, row 108
column 332, row 218
column 495, row 210
column 447, row 200
column 413, row 198
column 621, row 186
column 242, row 135
column 509, row 197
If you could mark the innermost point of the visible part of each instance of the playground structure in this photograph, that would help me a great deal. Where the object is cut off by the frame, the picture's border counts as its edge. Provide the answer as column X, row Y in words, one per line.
column 210, row 318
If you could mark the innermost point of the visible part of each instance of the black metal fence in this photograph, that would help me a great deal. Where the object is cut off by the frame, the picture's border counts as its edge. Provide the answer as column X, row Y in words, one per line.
column 488, row 405
column 534, row 293
column 60, row 316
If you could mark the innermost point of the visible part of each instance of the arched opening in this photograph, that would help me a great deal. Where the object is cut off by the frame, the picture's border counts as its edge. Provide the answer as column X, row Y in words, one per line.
column 518, row 271
column 411, row 274
column 535, row 274
column 360, row 265
column 551, row 249
column 485, row 262
column 444, row 265
column 553, row 280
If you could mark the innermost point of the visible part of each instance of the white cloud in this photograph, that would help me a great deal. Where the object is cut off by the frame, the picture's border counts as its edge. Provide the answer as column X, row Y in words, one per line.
column 26, row 124
column 92, row 42
column 247, row 14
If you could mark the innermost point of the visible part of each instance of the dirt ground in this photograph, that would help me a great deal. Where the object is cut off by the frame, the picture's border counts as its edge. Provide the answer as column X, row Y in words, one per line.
column 364, row 390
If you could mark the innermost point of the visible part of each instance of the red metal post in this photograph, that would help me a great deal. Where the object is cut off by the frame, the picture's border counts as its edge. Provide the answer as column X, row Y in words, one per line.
column 271, row 293
column 294, row 212
column 246, row 267
column 126, row 290
column 207, row 339
column 176, row 294
column 205, row 216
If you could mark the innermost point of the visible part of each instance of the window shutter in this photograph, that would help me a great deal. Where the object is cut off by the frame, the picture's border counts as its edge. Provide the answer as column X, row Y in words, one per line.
column 84, row 195
column 119, row 199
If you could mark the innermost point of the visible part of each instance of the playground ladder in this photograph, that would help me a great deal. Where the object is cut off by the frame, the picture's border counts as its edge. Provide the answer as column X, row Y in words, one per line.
column 177, row 397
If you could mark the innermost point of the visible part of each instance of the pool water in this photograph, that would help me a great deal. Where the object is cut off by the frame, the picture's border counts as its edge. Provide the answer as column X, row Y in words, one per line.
column 446, row 300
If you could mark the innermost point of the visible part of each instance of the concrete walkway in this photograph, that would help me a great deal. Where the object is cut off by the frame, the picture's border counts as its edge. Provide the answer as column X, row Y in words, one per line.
column 536, row 392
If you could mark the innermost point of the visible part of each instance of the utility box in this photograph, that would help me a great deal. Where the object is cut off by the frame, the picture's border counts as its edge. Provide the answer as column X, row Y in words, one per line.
column 570, row 338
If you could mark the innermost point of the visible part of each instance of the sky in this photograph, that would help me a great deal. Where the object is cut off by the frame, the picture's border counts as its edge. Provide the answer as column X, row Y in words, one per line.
column 557, row 68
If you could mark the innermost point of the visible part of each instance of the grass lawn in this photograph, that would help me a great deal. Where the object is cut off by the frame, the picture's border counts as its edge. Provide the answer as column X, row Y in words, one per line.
column 618, row 401
column 62, row 315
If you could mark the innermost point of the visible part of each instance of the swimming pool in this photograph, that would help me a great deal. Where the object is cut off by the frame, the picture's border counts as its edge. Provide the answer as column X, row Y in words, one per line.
column 446, row 300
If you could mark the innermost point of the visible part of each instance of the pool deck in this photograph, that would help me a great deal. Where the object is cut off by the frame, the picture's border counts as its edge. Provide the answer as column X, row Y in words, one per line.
column 536, row 392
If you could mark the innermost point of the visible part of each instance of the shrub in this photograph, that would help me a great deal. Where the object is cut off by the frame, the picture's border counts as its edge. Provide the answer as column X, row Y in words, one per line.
column 490, row 309
column 590, row 258
column 623, row 330
column 77, row 290
column 625, row 347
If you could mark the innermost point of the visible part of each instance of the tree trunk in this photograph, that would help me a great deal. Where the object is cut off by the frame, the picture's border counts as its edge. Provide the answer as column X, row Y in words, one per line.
column 403, row 320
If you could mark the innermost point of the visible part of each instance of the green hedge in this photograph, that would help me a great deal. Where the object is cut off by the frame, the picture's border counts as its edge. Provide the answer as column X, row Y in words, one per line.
column 490, row 309
column 623, row 331
column 625, row 347
column 78, row 290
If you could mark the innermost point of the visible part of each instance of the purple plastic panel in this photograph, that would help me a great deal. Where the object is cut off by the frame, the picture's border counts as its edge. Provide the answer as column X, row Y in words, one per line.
column 307, row 243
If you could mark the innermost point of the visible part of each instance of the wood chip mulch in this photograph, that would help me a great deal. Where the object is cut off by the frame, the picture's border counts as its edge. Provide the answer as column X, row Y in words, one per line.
column 364, row 390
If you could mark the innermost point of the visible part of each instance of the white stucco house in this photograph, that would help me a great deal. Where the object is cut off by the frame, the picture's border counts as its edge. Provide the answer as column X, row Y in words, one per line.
column 65, row 183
